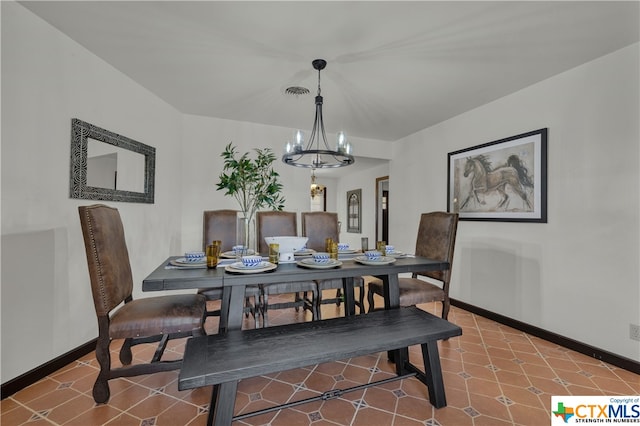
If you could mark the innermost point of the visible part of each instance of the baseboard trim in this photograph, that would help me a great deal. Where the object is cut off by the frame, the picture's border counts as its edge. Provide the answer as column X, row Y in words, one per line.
column 42, row 371
column 574, row 345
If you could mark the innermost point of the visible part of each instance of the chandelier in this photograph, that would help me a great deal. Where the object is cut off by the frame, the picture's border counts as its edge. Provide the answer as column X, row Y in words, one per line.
column 316, row 155
column 316, row 189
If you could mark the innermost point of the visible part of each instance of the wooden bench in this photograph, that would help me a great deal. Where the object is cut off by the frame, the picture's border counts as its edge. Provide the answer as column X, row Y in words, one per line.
column 224, row 359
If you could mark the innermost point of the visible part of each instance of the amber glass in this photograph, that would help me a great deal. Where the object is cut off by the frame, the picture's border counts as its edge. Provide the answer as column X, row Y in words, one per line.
column 327, row 244
column 333, row 252
column 213, row 253
column 274, row 253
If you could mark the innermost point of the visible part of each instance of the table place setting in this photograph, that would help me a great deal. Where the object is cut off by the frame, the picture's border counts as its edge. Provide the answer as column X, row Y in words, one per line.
column 191, row 259
column 241, row 268
column 319, row 260
column 374, row 258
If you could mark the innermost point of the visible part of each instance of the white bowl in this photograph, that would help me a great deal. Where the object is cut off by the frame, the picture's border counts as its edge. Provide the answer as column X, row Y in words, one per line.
column 320, row 257
column 288, row 244
column 372, row 254
column 251, row 261
column 194, row 256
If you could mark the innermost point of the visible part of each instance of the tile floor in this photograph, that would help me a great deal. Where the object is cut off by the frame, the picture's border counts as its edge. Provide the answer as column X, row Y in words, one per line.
column 493, row 374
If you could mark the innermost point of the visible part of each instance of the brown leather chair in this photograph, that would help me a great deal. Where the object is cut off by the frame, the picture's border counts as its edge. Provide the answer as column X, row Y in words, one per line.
column 222, row 225
column 219, row 225
column 148, row 320
column 281, row 224
column 318, row 226
column 436, row 240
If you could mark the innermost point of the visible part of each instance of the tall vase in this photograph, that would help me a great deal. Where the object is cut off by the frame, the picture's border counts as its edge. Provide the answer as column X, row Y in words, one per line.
column 245, row 232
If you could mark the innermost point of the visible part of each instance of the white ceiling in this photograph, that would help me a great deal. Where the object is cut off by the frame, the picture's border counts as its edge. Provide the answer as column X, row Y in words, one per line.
column 393, row 67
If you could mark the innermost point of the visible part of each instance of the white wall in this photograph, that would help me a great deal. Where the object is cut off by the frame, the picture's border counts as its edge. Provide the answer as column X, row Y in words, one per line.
column 577, row 275
column 47, row 79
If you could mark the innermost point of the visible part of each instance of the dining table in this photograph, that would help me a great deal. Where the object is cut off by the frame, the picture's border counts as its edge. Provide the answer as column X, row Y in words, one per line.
column 169, row 277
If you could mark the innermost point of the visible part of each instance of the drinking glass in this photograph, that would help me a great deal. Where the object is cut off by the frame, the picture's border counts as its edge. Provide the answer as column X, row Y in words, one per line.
column 333, row 252
column 364, row 242
column 274, row 253
column 213, row 253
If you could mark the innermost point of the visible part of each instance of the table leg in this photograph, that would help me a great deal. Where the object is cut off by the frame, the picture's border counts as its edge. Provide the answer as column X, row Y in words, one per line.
column 235, row 306
column 391, row 291
column 349, row 298
column 391, row 301
column 224, row 309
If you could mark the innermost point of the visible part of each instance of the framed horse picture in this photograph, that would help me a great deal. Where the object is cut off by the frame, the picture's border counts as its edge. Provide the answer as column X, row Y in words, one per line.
column 503, row 180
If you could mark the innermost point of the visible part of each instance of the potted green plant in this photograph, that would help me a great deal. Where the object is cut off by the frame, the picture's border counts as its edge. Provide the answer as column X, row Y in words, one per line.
column 252, row 182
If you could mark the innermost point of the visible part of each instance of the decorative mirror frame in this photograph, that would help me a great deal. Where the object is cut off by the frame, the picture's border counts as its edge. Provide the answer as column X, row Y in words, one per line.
column 354, row 211
column 81, row 132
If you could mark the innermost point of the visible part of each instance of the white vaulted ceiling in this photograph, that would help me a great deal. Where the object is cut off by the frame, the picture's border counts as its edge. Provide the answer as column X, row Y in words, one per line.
column 393, row 67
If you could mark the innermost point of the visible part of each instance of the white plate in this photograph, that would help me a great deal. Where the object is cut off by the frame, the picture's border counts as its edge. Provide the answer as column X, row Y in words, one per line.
column 310, row 263
column 382, row 260
column 396, row 254
column 347, row 251
column 183, row 261
column 307, row 252
column 185, row 264
column 232, row 255
column 239, row 268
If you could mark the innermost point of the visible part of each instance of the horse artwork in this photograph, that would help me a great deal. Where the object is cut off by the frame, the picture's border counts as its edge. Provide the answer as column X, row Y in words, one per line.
column 484, row 180
column 503, row 180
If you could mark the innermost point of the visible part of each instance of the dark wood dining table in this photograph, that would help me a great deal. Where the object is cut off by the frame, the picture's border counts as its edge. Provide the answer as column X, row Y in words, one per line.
column 233, row 284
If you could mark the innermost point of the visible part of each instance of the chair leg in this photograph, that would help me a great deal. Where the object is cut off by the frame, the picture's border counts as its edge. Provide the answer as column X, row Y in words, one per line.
column 315, row 313
column 247, row 302
column 125, row 352
column 316, row 308
column 338, row 296
column 265, row 307
column 297, row 299
column 445, row 308
column 256, row 310
column 361, row 298
column 101, row 391
column 160, row 349
column 370, row 300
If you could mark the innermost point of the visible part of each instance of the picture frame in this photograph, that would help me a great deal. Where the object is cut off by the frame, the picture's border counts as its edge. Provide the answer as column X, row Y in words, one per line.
column 354, row 211
column 504, row 180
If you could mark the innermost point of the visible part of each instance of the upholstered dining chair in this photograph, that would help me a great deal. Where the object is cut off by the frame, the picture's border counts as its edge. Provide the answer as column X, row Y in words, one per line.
column 318, row 226
column 222, row 225
column 281, row 224
column 147, row 320
column 436, row 240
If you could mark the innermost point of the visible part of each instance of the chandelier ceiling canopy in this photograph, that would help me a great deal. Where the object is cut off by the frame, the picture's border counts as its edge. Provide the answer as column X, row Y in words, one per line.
column 317, row 154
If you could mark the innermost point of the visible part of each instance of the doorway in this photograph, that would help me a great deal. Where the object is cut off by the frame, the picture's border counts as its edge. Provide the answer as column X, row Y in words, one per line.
column 382, row 209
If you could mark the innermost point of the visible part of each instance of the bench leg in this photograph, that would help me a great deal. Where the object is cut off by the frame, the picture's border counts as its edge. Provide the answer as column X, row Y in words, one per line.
column 399, row 357
column 433, row 373
column 223, row 401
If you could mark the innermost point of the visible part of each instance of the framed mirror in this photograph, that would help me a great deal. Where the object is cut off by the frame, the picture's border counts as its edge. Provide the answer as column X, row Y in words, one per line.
column 110, row 167
column 354, row 210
